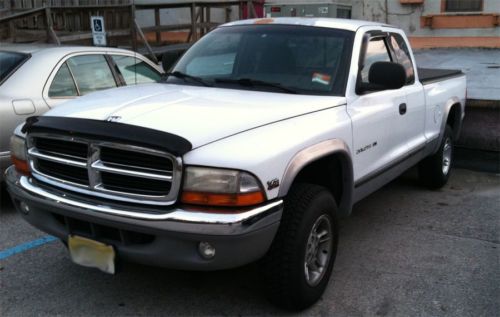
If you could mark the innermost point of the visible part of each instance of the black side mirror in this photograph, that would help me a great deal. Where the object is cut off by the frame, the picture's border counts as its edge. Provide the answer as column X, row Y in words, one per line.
column 387, row 75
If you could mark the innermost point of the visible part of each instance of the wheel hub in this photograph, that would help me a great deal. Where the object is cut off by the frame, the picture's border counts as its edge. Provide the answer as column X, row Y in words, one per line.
column 318, row 250
column 447, row 149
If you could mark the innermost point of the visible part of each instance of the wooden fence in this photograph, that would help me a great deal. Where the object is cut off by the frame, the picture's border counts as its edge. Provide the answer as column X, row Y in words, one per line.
column 68, row 21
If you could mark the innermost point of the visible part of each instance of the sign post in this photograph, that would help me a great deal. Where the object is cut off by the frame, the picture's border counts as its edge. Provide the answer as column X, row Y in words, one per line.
column 98, row 32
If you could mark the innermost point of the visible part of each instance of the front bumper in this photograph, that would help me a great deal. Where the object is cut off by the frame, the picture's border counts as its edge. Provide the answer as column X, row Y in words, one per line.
column 168, row 239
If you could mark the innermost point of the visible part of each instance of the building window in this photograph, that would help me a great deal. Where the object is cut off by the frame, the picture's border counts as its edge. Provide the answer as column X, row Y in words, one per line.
column 463, row 5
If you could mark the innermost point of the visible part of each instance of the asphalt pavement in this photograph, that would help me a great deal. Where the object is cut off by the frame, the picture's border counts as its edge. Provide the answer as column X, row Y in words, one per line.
column 405, row 251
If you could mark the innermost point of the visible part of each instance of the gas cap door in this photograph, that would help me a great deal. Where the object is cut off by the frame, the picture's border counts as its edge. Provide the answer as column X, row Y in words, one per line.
column 23, row 106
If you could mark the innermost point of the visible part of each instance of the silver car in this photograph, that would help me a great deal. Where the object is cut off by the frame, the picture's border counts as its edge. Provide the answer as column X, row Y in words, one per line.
column 34, row 79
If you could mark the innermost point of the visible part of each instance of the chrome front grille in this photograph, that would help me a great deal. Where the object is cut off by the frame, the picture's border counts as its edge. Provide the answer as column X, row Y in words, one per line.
column 114, row 171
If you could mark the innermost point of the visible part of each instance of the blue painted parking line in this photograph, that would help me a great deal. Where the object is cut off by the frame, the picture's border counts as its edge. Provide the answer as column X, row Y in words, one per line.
column 26, row 246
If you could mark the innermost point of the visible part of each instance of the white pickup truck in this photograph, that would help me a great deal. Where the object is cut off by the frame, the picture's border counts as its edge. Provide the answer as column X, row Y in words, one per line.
column 265, row 132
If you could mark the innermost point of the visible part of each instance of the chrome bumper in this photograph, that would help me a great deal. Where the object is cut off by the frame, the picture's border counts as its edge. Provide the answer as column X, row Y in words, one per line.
column 175, row 234
column 187, row 220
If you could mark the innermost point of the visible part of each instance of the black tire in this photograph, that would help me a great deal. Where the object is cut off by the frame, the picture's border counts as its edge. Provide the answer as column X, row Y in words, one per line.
column 431, row 170
column 284, row 267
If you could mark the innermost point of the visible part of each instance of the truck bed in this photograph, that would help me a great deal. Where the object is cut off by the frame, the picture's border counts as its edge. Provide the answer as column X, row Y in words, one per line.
column 429, row 75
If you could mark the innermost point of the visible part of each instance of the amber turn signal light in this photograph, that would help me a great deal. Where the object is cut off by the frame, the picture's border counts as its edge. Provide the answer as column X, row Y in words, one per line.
column 21, row 166
column 226, row 200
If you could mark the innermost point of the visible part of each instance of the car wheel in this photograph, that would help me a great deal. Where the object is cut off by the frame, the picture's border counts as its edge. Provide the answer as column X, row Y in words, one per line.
column 299, row 263
column 434, row 170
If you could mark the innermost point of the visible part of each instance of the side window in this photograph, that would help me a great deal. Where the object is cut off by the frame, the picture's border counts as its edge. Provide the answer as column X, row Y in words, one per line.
column 376, row 51
column 63, row 84
column 402, row 55
column 91, row 73
column 135, row 71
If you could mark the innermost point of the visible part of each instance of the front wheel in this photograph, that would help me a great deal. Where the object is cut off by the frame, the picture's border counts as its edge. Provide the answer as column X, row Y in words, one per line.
column 434, row 170
column 299, row 263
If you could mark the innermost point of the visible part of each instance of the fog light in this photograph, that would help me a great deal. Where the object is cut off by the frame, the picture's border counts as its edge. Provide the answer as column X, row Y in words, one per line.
column 24, row 208
column 206, row 250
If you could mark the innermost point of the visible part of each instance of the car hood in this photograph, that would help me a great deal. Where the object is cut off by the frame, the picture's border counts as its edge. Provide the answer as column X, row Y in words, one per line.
column 200, row 114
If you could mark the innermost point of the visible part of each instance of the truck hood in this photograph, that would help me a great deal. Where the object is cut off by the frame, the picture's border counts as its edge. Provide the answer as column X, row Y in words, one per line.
column 199, row 114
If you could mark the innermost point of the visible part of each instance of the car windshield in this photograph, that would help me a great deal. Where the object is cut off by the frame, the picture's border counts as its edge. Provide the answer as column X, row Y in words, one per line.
column 272, row 57
column 9, row 61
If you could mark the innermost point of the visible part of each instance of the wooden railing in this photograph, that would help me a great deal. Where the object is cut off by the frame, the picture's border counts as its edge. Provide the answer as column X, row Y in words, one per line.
column 68, row 21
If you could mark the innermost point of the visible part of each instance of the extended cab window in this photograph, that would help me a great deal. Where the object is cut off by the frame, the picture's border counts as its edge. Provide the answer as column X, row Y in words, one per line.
column 376, row 51
column 63, row 84
column 135, row 71
column 273, row 58
column 402, row 55
column 91, row 73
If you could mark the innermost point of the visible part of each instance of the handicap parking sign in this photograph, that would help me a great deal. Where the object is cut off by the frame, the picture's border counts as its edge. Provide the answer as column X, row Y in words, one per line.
column 98, row 32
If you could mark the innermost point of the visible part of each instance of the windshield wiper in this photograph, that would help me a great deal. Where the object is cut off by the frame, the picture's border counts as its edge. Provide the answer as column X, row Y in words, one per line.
column 254, row 82
column 184, row 76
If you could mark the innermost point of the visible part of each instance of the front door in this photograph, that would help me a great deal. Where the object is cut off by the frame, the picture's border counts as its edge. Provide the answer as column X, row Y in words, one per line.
column 378, row 131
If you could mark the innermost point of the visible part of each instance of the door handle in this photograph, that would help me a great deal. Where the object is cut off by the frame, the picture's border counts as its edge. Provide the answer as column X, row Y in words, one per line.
column 402, row 109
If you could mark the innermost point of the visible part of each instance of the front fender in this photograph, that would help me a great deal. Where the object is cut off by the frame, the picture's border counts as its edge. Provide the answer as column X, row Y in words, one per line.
column 314, row 153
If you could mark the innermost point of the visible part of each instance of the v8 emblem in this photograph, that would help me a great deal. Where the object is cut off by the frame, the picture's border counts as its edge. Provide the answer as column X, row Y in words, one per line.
column 273, row 184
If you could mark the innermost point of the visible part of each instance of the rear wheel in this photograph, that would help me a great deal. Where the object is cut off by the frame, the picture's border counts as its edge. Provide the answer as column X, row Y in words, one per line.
column 434, row 170
column 299, row 263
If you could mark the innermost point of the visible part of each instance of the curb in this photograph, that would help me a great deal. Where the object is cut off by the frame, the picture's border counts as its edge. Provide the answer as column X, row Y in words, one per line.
column 482, row 104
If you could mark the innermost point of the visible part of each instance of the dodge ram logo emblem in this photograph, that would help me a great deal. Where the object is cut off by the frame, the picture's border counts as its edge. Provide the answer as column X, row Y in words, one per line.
column 113, row 118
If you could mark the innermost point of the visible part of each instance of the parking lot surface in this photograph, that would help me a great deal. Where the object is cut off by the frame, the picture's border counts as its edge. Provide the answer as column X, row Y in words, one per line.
column 404, row 251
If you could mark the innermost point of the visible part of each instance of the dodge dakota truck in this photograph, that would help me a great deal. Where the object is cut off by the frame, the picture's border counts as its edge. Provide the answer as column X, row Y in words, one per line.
column 264, row 134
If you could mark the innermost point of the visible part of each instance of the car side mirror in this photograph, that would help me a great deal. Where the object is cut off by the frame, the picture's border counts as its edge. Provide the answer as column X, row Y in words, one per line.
column 387, row 75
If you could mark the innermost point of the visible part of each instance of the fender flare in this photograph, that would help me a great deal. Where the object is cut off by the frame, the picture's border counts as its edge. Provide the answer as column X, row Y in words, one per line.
column 447, row 108
column 317, row 151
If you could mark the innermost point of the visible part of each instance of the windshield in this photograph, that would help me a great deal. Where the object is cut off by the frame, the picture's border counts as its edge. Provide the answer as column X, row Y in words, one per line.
column 277, row 58
column 9, row 61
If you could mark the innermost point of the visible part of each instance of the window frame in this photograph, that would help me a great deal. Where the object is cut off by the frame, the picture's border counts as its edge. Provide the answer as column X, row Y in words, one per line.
column 106, row 59
column 367, row 37
column 119, row 81
column 57, row 67
column 393, row 52
column 445, row 3
column 116, row 69
column 72, row 79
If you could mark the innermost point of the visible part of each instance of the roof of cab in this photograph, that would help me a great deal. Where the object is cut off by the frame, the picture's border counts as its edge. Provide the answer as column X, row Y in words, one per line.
column 343, row 24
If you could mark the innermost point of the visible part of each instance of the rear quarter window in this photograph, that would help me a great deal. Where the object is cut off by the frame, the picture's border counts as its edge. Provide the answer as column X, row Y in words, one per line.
column 10, row 62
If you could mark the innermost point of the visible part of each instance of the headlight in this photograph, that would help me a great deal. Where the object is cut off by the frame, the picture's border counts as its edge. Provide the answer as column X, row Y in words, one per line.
column 220, row 187
column 18, row 154
column 18, row 147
